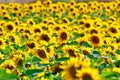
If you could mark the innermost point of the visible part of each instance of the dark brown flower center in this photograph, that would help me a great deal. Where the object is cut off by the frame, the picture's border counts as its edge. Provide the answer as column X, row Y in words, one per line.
column 37, row 30
column 63, row 35
column 9, row 67
column 31, row 45
column 93, row 31
column 31, row 23
column 57, row 28
column 87, row 25
column 15, row 9
column 85, row 52
column 27, row 31
column 41, row 53
column 113, row 30
column 10, row 27
column 1, row 43
column 45, row 37
column 48, row 50
column 71, row 53
column 87, row 76
column 73, row 72
column 95, row 39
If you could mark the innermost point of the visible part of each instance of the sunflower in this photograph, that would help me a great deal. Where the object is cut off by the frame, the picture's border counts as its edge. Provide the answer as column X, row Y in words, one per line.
column 50, row 51
column 10, row 27
column 18, row 60
column 41, row 53
column 12, row 38
column 30, row 22
column 88, row 24
column 31, row 45
column 8, row 65
column 63, row 36
column 36, row 29
column 2, row 44
column 88, row 74
column 113, row 30
column 117, row 70
column 70, row 51
column 69, row 70
column 45, row 37
column 2, row 7
column 94, row 30
column 81, row 40
column 72, row 3
column 19, row 14
column 95, row 40
column 86, row 50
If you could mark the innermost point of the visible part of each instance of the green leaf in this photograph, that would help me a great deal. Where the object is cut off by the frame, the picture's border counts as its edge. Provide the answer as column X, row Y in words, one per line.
column 86, row 44
column 105, row 46
column 117, row 63
column 109, row 74
column 117, row 51
column 59, row 52
column 79, row 17
column 16, row 46
column 49, row 45
column 103, row 26
column 72, row 43
column 7, row 50
column 36, row 59
column 32, row 14
column 62, row 59
column 76, row 35
column 54, row 35
column 33, row 72
column 1, row 61
column 23, row 47
column 7, row 76
column 96, row 54
column 64, row 14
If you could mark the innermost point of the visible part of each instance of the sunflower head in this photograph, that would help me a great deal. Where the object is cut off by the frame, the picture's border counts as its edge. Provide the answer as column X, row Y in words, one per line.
column 88, row 74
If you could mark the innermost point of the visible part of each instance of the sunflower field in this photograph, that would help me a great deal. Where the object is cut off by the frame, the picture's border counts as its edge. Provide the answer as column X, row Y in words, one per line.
column 66, row 40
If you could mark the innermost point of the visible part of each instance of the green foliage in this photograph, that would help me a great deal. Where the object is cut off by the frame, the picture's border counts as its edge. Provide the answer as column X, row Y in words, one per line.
column 17, row 47
column 117, row 63
column 72, row 43
column 117, row 51
column 76, row 35
column 86, row 44
column 110, row 75
column 7, row 76
column 62, row 59
column 7, row 50
column 33, row 72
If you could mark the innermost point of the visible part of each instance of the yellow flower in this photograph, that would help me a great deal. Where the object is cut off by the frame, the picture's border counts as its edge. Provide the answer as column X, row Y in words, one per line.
column 41, row 53
column 88, row 74
column 2, row 44
column 63, row 36
column 70, row 50
column 10, row 27
column 30, row 23
column 69, row 70
column 95, row 40
column 1, row 56
column 86, row 50
column 117, row 70
column 18, row 60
